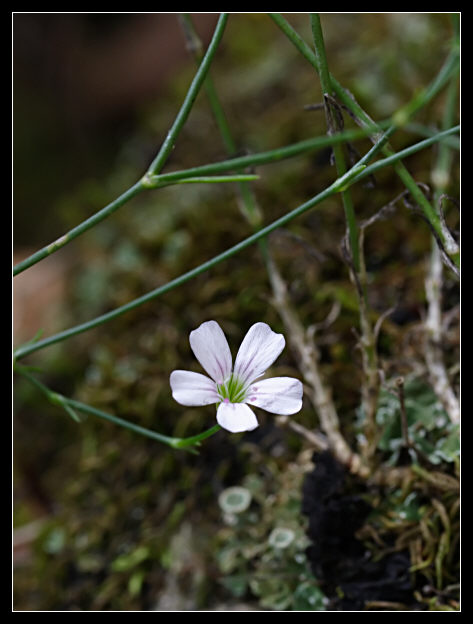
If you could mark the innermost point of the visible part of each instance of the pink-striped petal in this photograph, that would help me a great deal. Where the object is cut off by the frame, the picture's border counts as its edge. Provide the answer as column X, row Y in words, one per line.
column 278, row 395
column 211, row 348
column 236, row 417
column 260, row 347
column 192, row 389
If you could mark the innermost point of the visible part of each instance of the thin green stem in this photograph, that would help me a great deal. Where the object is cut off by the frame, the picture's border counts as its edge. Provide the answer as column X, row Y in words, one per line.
column 154, row 168
column 195, row 47
column 177, row 443
column 262, row 158
column 248, row 202
column 428, row 131
column 79, row 229
column 370, row 385
column 353, row 175
column 31, row 347
column 337, row 149
column 159, row 181
column 408, row 151
column 442, row 78
column 71, row 406
column 170, row 140
column 183, row 443
column 244, row 177
column 441, row 171
column 450, row 67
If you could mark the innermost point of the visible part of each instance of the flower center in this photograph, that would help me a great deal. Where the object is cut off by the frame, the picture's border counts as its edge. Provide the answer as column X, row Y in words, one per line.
column 232, row 390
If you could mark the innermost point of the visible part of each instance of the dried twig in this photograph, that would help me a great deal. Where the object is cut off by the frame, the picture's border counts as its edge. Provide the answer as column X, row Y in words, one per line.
column 433, row 339
column 367, row 343
column 308, row 360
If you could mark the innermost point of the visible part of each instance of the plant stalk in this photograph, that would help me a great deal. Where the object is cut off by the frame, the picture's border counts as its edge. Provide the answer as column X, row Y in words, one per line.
column 28, row 348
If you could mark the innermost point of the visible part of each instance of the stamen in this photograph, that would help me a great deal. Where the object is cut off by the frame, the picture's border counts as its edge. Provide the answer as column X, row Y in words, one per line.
column 232, row 390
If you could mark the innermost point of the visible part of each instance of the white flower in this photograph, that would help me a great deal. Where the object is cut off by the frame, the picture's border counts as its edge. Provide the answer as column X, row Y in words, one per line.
column 233, row 389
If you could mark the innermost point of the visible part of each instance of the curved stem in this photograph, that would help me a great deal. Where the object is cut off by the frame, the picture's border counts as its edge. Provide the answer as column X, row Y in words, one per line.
column 79, row 229
column 248, row 203
column 185, row 175
column 261, row 158
column 336, row 187
column 71, row 406
column 191, row 95
column 449, row 68
column 183, row 443
column 154, row 168
column 177, row 443
column 340, row 164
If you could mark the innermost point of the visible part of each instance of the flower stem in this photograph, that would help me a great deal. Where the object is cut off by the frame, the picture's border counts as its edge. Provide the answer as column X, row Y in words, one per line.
column 184, row 443
column 72, row 406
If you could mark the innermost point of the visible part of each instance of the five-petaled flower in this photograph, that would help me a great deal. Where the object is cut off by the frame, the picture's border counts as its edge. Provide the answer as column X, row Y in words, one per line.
column 234, row 388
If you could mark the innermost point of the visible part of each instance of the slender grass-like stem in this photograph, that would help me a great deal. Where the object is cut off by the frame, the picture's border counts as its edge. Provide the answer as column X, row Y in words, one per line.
column 441, row 170
column 356, row 173
column 185, row 443
column 177, row 443
column 178, row 281
column 155, row 166
column 408, row 151
column 248, row 203
column 337, row 149
column 176, row 177
column 209, row 179
column 79, row 229
column 426, row 131
column 170, row 140
column 443, row 77
column 370, row 384
column 449, row 68
column 290, row 151
column 71, row 406
column 261, row 158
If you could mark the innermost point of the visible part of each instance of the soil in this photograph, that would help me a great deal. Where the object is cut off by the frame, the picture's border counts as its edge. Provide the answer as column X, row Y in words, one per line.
column 335, row 503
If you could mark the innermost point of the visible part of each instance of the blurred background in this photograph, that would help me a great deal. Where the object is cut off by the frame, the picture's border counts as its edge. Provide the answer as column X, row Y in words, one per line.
column 104, row 519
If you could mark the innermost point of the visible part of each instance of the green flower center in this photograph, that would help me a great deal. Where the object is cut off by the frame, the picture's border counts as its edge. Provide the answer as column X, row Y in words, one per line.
column 233, row 390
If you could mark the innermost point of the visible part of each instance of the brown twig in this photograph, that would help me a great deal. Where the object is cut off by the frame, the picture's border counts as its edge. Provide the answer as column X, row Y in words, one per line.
column 367, row 343
column 307, row 356
column 433, row 339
